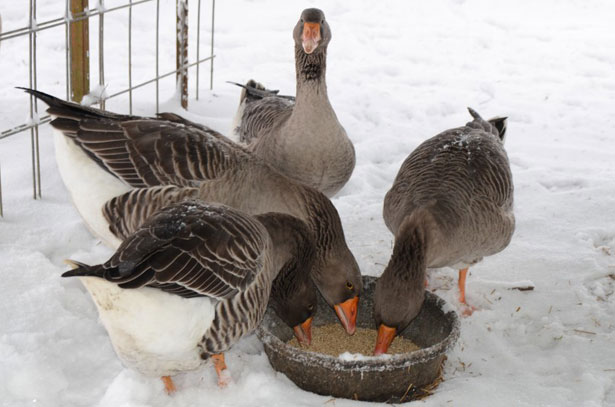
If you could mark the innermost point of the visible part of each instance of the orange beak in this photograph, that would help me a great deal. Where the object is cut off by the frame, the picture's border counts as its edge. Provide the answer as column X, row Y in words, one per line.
column 303, row 332
column 386, row 335
column 347, row 313
column 310, row 37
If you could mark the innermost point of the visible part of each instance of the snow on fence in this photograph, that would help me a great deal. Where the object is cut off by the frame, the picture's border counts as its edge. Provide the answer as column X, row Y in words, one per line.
column 75, row 17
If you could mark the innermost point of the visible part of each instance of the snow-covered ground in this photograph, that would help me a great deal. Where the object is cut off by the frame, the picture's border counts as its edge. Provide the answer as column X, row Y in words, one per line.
column 398, row 73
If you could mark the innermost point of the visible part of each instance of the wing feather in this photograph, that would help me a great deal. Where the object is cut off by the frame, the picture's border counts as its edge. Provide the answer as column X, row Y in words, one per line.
column 191, row 249
column 142, row 151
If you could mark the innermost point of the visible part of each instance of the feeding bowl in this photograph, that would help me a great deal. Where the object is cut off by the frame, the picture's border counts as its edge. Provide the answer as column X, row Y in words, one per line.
column 391, row 378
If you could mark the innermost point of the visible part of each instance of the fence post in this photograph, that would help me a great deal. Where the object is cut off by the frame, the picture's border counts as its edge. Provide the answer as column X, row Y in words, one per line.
column 79, row 52
column 181, row 52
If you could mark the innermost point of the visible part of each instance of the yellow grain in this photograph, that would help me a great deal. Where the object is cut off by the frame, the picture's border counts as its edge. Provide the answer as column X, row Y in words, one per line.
column 332, row 339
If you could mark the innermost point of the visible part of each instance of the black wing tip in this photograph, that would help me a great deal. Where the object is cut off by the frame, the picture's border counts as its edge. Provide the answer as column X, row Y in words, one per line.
column 79, row 269
column 255, row 90
column 45, row 97
column 237, row 84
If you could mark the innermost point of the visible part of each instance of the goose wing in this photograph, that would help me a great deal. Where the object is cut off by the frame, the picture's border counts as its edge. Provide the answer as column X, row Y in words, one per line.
column 144, row 151
column 189, row 249
column 262, row 115
column 125, row 213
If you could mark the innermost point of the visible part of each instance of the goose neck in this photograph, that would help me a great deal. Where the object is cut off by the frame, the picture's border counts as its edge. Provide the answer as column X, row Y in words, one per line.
column 408, row 263
column 290, row 237
column 311, row 71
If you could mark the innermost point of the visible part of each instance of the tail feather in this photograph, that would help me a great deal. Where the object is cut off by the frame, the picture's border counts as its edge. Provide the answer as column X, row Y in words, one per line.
column 70, row 110
column 497, row 125
column 255, row 91
column 500, row 123
column 82, row 270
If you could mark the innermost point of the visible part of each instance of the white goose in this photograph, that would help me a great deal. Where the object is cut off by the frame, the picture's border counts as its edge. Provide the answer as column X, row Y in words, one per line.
column 189, row 283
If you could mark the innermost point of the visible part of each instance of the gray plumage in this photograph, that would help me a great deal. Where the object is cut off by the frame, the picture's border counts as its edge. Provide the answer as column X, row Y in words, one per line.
column 451, row 204
column 182, row 160
column 193, row 249
column 301, row 138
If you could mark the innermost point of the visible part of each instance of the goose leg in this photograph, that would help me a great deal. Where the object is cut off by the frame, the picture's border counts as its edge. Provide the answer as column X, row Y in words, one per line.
column 462, row 292
column 169, row 386
column 223, row 376
column 462, row 285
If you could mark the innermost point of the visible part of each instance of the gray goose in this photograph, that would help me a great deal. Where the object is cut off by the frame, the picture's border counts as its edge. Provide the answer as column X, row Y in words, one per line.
column 103, row 157
column 190, row 281
column 451, row 204
column 300, row 138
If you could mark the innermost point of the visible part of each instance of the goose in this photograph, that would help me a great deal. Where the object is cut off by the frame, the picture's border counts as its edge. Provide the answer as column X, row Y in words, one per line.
column 301, row 138
column 120, row 169
column 190, row 281
column 451, row 204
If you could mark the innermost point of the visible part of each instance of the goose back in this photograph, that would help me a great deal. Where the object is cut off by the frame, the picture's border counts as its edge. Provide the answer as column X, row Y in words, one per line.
column 462, row 178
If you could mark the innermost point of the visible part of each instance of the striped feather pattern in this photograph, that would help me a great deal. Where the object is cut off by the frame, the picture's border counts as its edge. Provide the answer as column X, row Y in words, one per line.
column 145, row 151
column 191, row 249
column 262, row 116
column 462, row 178
column 180, row 160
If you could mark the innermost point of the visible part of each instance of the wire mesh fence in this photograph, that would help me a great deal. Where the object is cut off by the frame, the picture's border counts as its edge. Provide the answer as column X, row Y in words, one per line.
column 75, row 17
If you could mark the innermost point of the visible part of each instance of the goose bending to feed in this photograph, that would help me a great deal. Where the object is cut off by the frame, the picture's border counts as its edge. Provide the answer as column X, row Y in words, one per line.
column 103, row 155
column 451, row 204
column 300, row 138
column 190, row 282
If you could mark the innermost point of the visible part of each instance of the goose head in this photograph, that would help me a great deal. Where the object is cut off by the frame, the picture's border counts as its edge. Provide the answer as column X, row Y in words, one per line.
column 312, row 32
column 293, row 293
column 400, row 291
column 298, row 307
column 339, row 282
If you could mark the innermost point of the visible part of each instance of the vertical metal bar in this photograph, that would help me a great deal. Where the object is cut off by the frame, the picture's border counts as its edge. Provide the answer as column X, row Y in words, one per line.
column 130, row 56
column 68, row 18
column 101, row 50
column 181, row 51
column 79, row 56
column 30, row 36
column 36, row 143
column 198, row 46
column 157, row 52
column 211, row 53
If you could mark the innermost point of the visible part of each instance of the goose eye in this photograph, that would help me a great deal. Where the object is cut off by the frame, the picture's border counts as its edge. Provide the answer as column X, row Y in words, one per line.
column 349, row 285
column 322, row 21
column 310, row 307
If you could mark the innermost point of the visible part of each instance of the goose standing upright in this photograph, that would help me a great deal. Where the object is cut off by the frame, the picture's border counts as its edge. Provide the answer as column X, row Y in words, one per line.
column 300, row 138
column 190, row 282
column 121, row 169
column 451, row 204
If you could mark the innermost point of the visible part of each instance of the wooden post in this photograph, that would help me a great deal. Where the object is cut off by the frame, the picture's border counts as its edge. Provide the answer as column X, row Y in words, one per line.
column 79, row 52
column 181, row 53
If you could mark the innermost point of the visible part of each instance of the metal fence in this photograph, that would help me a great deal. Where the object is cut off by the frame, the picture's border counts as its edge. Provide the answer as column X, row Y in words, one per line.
column 70, row 19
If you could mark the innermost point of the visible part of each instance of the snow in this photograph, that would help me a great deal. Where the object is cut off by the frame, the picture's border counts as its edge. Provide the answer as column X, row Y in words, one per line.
column 398, row 73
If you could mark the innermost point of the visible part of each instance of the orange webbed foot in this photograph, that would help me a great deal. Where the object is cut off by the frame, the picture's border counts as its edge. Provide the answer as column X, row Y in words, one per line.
column 224, row 377
column 169, row 386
